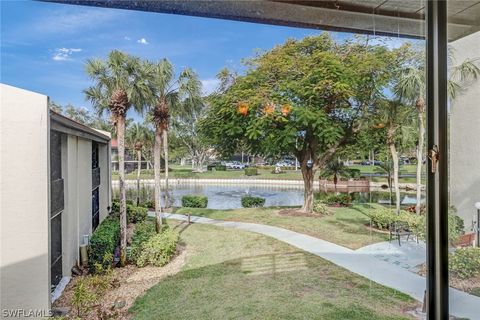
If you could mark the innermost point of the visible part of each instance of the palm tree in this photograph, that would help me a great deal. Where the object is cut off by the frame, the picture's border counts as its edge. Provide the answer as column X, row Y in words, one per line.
column 335, row 169
column 394, row 117
column 119, row 83
column 138, row 136
column 411, row 89
column 168, row 93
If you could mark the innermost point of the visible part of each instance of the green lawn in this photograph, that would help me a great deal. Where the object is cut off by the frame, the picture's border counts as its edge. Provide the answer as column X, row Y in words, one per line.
column 345, row 227
column 234, row 274
column 186, row 172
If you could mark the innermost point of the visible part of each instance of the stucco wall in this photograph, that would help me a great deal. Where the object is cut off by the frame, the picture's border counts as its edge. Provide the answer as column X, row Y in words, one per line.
column 465, row 137
column 24, row 200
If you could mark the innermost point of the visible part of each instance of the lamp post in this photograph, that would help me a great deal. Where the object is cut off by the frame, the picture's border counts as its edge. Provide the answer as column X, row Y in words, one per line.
column 477, row 225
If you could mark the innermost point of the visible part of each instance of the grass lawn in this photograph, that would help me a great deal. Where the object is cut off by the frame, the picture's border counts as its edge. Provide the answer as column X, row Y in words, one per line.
column 345, row 227
column 186, row 172
column 234, row 274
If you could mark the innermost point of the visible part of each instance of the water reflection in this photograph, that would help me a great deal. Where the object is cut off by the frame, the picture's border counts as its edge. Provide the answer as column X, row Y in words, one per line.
column 229, row 196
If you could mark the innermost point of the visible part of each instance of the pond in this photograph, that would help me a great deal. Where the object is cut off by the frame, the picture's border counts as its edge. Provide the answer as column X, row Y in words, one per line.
column 229, row 196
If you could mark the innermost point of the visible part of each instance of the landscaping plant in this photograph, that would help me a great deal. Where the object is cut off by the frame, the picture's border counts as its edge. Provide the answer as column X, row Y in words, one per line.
column 321, row 208
column 193, row 201
column 465, row 262
column 104, row 240
column 252, row 202
column 159, row 249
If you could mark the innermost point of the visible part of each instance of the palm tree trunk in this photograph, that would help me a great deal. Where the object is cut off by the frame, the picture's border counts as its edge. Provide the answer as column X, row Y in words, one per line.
column 123, row 200
column 419, row 155
column 157, row 149
column 393, row 151
column 165, row 157
column 139, row 169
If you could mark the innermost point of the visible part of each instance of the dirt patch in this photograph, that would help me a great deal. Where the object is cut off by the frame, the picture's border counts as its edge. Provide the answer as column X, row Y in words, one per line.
column 125, row 285
column 471, row 285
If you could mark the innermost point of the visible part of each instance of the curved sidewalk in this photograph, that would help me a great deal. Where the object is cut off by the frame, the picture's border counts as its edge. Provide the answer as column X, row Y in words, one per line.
column 461, row 304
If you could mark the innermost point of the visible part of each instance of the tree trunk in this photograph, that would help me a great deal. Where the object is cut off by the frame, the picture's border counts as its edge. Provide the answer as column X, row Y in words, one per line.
column 157, row 149
column 123, row 199
column 419, row 155
column 393, row 151
column 308, row 174
column 139, row 169
column 165, row 157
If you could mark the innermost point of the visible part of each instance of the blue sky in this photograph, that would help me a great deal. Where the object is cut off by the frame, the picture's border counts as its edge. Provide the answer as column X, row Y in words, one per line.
column 44, row 46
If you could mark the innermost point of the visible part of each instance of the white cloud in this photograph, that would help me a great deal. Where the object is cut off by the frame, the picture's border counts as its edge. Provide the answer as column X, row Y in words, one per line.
column 142, row 41
column 63, row 54
column 127, row 38
column 209, row 85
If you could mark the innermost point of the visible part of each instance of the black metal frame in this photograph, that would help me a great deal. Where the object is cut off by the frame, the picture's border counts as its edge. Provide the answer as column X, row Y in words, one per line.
column 437, row 177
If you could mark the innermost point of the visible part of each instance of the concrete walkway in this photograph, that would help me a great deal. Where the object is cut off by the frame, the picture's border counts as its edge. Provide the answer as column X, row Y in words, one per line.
column 367, row 265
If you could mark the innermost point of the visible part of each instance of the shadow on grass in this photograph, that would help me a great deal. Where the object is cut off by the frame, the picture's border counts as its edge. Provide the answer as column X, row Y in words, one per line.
column 293, row 285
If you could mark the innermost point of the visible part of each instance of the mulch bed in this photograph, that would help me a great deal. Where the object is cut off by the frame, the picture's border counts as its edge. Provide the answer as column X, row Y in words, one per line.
column 465, row 285
column 126, row 284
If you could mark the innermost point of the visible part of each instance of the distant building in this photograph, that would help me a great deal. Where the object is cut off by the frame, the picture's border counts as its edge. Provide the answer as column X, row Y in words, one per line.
column 55, row 189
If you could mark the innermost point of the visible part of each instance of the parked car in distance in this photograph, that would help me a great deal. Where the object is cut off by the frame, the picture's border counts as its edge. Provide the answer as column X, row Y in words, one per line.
column 369, row 163
column 235, row 165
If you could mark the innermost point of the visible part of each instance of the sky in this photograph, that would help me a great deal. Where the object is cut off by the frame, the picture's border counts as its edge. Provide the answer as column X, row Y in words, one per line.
column 44, row 46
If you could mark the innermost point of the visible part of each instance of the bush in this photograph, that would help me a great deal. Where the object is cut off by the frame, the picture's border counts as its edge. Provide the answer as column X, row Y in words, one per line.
column 220, row 167
column 382, row 218
column 354, row 173
column 103, row 242
column 251, row 171
column 252, row 202
column 321, row 207
column 465, row 262
column 115, row 206
column 341, row 199
column 142, row 233
column 159, row 249
column 193, row 201
column 148, row 204
column 455, row 227
column 136, row 214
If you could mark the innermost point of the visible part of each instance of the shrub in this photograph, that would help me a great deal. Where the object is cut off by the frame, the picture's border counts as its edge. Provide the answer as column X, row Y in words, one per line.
column 251, row 171
column 455, row 227
column 115, row 206
column 193, row 201
column 252, row 202
column 159, row 249
column 220, row 167
column 354, row 174
column 341, row 199
column 142, row 233
column 136, row 214
column 382, row 218
column 104, row 241
column 82, row 298
column 321, row 207
column 465, row 262
column 148, row 204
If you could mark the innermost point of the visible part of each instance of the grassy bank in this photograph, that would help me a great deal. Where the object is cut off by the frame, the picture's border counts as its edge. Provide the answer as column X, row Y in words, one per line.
column 233, row 274
column 346, row 227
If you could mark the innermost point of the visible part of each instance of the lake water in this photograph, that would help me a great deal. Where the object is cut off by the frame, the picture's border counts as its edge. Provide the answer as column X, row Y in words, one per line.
column 229, row 196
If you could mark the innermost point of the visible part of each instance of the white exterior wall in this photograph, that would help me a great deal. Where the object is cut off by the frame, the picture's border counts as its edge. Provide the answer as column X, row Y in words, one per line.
column 465, row 137
column 24, row 200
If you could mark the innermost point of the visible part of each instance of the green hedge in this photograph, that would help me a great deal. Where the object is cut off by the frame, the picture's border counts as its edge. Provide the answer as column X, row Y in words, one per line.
column 220, row 167
column 104, row 240
column 465, row 262
column 342, row 199
column 158, row 249
column 193, row 201
column 251, row 171
column 134, row 214
column 252, row 202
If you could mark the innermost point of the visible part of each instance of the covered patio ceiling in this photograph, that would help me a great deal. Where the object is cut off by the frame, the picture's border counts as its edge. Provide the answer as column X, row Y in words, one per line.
column 403, row 18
